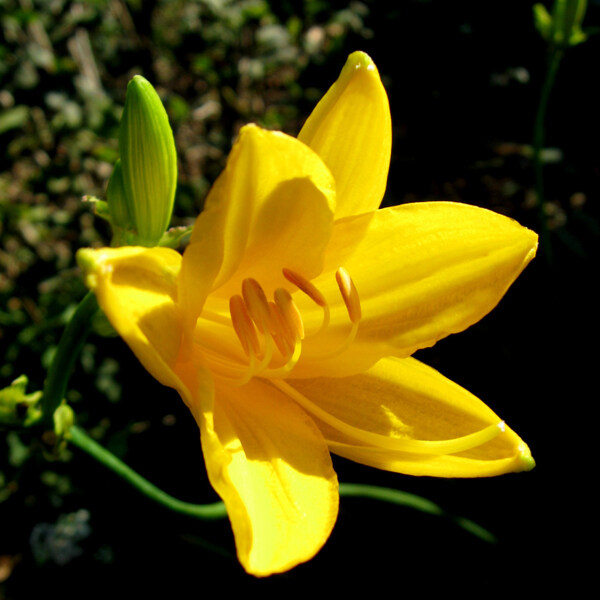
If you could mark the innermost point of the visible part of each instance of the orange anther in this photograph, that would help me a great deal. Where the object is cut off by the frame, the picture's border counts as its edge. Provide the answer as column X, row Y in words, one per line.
column 281, row 335
column 349, row 294
column 243, row 325
column 290, row 313
column 306, row 286
column 257, row 304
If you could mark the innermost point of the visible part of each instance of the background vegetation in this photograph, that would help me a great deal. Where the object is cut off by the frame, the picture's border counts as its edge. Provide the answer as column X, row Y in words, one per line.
column 464, row 81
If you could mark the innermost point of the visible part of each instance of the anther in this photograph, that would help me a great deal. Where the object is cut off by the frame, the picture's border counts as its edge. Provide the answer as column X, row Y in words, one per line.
column 281, row 335
column 306, row 286
column 257, row 304
column 349, row 294
column 243, row 325
column 290, row 313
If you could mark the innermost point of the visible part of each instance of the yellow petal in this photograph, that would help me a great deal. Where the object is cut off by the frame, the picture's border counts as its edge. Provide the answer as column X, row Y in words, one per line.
column 422, row 271
column 404, row 400
column 136, row 289
column 270, row 464
column 351, row 130
column 272, row 207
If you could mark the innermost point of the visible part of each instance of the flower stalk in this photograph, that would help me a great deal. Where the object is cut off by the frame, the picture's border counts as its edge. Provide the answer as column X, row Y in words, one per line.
column 68, row 350
column 216, row 510
column 202, row 511
column 555, row 55
column 561, row 29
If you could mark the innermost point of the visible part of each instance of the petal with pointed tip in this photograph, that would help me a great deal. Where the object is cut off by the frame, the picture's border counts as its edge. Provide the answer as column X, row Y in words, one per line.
column 423, row 271
column 405, row 399
column 351, row 130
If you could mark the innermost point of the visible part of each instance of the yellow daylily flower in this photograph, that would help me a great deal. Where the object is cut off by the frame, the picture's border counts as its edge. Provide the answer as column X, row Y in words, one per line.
column 288, row 324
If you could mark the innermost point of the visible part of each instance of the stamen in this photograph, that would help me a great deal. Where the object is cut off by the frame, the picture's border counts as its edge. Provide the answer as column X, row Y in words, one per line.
column 243, row 325
column 349, row 294
column 377, row 441
column 341, row 348
column 281, row 336
column 236, row 375
column 312, row 292
column 289, row 312
column 287, row 367
column 241, row 376
column 257, row 304
column 306, row 286
column 282, row 326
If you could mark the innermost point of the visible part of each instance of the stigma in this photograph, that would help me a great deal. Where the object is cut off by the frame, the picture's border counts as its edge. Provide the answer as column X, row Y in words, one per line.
column 272, row 332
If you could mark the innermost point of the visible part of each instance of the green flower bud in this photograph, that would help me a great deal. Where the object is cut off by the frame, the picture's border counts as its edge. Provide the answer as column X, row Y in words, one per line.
column 64, row 418
column 563, row 27
column 142, row 190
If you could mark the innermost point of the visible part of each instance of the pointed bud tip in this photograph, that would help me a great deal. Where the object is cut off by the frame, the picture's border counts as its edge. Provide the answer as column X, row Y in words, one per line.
column 139, row 81
column 359, row 60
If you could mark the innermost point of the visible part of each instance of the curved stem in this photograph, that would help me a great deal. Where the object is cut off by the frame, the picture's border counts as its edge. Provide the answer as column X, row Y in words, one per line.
column 408, row 500
column 217, row 510
column 554, row 58
column 358, row 490
column 68, row 350
column 202, row 511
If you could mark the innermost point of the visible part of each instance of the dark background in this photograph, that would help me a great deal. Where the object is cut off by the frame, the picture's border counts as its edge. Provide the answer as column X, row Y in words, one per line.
column 464, row 81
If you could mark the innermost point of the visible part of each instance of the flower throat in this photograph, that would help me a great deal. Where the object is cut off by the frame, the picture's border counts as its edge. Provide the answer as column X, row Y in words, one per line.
column 266, row 327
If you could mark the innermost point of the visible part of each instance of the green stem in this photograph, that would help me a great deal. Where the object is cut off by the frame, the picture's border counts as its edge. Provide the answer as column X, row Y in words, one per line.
column 202, row 511
column 358, row 490
column 68, row 350
column 554, row 58
column 217, row 510
column 419, row 503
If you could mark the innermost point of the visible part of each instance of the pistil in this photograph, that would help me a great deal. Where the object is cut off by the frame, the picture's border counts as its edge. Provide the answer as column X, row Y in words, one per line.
column 377, row 441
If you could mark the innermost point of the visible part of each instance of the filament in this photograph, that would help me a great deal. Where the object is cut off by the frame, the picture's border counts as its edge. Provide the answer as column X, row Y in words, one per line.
column 377, row 440
column 264, row 327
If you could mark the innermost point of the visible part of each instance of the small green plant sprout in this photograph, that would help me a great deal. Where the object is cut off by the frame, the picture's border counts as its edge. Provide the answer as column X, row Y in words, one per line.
column 141, row 190
column 562, row 28
column 18, row 408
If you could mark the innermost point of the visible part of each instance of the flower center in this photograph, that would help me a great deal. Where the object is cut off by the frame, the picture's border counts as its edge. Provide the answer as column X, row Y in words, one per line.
column 271, row 333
